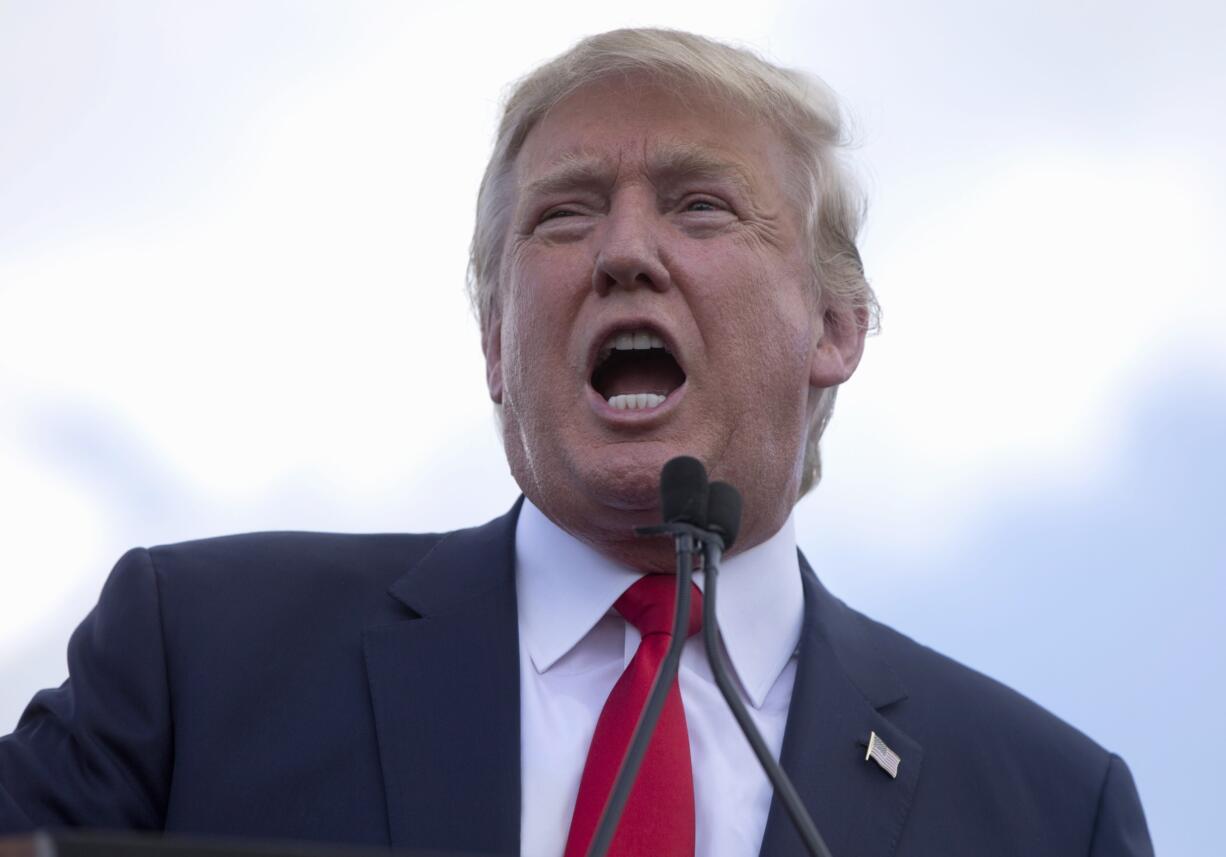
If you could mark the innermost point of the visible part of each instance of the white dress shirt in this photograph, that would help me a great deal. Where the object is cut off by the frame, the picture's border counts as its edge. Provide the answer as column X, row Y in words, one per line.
column 573, row 647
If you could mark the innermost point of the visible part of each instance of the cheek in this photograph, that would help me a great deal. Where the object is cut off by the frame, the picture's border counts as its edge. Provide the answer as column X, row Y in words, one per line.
column 540, row 305
column 548, row 281
column 765, row 316
column 528, row 306
column 523, row 351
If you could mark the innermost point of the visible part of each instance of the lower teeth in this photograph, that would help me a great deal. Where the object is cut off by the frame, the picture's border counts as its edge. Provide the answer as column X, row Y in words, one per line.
column 635, row 401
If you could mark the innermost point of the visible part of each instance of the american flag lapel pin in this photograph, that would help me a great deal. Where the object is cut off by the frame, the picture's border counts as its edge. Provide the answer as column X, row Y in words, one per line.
column 882, row 755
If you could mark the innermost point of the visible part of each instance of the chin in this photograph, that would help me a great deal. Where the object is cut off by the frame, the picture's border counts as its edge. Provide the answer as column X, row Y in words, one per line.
column 625, row 476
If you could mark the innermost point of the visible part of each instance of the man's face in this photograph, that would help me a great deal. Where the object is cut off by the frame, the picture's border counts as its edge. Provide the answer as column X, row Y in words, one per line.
column 643, row 219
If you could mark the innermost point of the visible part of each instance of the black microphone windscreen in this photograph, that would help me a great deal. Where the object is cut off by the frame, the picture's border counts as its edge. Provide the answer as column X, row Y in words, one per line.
column 683, row 491
column 724, row 511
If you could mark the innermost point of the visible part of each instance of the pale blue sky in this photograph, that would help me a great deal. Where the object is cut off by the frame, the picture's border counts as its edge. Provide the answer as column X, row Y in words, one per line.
column 232, row 242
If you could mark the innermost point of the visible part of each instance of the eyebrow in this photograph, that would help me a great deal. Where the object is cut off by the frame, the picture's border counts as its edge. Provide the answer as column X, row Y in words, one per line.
column 572, row 170
column 668, row 163
column 681, row 161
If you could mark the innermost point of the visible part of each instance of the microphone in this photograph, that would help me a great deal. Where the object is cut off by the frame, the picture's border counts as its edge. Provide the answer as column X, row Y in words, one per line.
column 683, row 504
column 684, row 491
column 724, row 512
column 701, row 517
column 724, row 522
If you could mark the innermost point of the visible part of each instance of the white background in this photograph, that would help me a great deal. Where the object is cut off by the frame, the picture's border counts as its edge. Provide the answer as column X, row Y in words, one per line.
column 232, row 245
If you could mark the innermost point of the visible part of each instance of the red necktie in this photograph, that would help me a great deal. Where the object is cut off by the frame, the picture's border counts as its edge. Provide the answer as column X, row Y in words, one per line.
column 658, row 820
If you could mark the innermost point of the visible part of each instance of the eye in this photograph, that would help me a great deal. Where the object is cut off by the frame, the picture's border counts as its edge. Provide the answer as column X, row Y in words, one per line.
column 703, row 204
column 563, row 222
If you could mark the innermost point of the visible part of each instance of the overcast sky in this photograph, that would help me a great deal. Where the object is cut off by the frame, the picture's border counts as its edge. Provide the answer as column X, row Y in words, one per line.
column 232, row 245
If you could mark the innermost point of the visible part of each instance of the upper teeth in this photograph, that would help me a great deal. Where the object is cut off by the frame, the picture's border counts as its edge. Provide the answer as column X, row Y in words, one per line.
column 636, row 340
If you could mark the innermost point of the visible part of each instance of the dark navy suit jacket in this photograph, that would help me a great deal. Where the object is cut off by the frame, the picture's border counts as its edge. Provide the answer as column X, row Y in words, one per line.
column 365, row 689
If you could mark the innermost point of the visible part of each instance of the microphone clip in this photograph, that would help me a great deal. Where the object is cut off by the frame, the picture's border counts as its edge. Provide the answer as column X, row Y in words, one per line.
column 700, row 535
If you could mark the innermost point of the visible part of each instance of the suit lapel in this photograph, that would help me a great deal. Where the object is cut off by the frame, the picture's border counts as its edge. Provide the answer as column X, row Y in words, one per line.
column 444, row 684
column 840, row 686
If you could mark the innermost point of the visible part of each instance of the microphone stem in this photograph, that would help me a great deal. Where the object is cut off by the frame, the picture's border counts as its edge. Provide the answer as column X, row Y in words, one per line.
column 784, row 789
column 660, row 687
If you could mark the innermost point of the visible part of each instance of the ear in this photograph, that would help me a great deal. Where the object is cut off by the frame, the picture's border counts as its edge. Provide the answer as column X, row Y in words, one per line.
column 838, row 349
column 491, row 344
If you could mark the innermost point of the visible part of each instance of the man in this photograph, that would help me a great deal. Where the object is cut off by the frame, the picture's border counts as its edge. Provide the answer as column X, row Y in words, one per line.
column 663, row 264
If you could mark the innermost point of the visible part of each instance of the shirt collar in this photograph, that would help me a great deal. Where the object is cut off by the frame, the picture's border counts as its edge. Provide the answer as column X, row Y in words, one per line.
column 564, row 587
column 761, row 610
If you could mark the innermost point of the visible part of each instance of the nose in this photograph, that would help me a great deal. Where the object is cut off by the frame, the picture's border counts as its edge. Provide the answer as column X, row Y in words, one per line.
column 628, row 255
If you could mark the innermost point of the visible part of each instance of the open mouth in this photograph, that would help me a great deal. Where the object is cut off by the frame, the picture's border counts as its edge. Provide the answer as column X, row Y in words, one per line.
column 636, row 371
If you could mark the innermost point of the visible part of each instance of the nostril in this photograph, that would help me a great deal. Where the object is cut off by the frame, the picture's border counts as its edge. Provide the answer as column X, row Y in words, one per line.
column 609, row 278
column 629, row 269
column 603, row 282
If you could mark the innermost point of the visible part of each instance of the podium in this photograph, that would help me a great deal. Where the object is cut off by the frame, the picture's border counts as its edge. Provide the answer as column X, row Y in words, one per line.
column 115, row 844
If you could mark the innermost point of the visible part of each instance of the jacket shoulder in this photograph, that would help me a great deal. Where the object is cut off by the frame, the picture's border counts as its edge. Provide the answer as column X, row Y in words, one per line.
column 957, row 703
column 281, row 585
column 1011, row 763
column 277, row 558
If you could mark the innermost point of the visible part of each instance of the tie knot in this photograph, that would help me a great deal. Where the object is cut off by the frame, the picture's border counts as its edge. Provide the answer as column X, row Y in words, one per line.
column 649, row 604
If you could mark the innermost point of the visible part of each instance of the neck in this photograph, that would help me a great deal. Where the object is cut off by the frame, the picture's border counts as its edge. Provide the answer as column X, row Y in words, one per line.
column 613, row 536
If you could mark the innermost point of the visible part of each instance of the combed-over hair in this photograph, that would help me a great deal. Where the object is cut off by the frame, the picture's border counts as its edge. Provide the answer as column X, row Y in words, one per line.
column 801, row 108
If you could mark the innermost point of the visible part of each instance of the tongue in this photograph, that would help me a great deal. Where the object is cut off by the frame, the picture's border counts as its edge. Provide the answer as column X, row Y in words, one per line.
column 627, row 372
